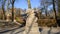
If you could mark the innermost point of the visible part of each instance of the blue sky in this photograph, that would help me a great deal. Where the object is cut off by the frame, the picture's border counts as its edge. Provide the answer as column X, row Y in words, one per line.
column 23, row 4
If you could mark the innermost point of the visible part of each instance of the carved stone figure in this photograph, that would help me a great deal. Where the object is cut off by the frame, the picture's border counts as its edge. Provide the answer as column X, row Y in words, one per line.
column 31, row 25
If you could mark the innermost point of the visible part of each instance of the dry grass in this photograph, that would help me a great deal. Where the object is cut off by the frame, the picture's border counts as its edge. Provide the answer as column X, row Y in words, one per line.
column 46, row 22
column 19, row 20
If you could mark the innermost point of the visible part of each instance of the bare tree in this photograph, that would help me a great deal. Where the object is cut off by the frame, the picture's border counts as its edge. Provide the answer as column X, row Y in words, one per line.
column 3, row 5
column 54, row 9
column 8, row 4
column 45, row 4
column 12, row 2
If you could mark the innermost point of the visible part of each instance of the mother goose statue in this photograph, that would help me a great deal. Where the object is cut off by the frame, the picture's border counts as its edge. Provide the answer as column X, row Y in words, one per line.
column 31, row 26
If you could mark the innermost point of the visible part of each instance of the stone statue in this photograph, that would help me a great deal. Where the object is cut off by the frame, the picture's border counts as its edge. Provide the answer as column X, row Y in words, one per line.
column 31, row 25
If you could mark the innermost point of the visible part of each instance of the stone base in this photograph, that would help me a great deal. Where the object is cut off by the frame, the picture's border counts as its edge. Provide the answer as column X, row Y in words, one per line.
column 33, row 30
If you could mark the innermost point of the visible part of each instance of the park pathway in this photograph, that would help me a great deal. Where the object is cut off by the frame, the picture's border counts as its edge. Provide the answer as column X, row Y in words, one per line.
column 45, row 30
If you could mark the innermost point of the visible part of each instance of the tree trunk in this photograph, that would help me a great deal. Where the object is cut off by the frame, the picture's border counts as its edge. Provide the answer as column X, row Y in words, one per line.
column 4, row 17
column 58, row 20
column 59, row 7
column 12, row 10
column 46, row 11
column 54, row 10
column 13, row 1
column 3, row 4
column 29, row 4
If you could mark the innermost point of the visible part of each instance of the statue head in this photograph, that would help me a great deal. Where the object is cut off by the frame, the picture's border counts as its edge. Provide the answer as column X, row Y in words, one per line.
column 29, row 11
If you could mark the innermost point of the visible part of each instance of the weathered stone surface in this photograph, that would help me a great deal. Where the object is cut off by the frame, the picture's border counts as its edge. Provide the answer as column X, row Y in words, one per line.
column 31, row 25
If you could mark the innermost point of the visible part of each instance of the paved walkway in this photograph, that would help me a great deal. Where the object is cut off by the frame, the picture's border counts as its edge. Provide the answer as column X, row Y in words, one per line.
column 14, row 31
column 44, row 30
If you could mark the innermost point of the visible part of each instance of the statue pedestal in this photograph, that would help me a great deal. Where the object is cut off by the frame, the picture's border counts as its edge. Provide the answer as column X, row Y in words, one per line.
column 32, row 28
